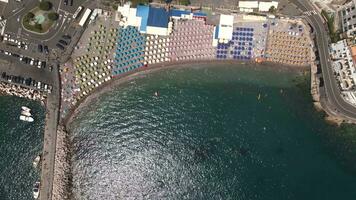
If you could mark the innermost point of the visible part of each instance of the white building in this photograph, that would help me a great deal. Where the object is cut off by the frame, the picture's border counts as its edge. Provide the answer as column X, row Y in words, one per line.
column 265, row 6
column 343, row 65
column 348, row 18
column 223, row 31
column 250, row 6
column 128, row 15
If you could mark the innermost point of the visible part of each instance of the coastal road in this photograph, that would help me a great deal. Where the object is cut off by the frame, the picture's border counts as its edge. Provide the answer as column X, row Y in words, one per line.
column 334, row 103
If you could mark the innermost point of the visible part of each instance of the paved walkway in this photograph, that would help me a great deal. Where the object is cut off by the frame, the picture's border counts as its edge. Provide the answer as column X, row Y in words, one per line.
column 50, row 136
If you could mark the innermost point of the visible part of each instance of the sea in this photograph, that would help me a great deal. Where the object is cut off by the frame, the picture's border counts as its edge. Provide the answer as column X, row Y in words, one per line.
column 198, row 132
column 20, row 143
column 211, row 132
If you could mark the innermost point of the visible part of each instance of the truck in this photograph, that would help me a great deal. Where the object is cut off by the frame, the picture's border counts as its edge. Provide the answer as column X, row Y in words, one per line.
column 93, row 15
column 85, row 17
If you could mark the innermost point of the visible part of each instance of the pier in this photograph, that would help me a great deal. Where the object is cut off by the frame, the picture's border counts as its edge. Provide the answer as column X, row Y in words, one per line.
column 49, row 142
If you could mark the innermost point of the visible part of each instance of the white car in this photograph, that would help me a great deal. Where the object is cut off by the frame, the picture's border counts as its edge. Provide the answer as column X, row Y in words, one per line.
column 39, row 64
column 39, row 85
column 31, row 62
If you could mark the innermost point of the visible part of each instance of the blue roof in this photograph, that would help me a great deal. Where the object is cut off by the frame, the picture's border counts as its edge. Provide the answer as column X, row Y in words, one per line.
column 143, row 11
column 200, row 14
column 158, row 17
column 178, row 13
column 217, row 32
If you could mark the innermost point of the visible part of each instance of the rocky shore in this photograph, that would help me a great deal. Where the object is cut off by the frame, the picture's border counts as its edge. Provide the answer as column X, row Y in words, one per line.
column 62, row 182
column 19, row 91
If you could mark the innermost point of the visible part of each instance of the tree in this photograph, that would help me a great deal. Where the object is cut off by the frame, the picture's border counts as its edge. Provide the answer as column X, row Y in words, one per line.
column 30, row 15
column 38, row 27
column 272, row 10
column 53, row 16
column 45, row 5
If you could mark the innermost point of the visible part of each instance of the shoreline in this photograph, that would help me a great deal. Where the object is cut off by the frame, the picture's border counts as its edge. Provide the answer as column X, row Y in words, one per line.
column 8, row 89
column 120, row 79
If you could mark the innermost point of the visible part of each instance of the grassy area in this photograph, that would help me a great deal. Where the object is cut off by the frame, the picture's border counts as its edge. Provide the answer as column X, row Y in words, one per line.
column 334, row 34
column 30, row 22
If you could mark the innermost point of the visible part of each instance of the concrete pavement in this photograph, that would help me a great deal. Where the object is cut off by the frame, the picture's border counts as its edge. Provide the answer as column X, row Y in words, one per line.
column 50, row 137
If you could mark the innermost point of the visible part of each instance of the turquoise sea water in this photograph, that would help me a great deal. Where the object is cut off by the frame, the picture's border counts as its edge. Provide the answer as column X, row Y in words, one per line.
column 20, row 143
column 212, row 133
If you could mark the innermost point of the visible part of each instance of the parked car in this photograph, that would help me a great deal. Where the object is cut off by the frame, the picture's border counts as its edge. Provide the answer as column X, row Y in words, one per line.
column 63, row 42
column 43, row 64
column 46, row 50
column 67, row 37
column 40, row 48
column 60, row 46
column 39, row 64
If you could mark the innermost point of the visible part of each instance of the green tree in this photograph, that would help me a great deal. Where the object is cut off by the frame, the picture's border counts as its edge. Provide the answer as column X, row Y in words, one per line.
column 38, row 27
column 53, row 16
column 30, row 15
column 45, row 5
column 272, row 10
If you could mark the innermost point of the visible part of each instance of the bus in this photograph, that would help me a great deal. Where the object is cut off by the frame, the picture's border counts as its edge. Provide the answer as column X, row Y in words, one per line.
column 77, row 12
column 85, row 17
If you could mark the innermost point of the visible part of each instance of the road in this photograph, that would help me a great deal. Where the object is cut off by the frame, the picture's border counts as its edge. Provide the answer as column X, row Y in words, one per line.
column 333, row 102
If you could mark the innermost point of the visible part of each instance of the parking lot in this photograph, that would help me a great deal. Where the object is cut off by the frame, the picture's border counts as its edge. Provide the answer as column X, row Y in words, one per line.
column 65, row 25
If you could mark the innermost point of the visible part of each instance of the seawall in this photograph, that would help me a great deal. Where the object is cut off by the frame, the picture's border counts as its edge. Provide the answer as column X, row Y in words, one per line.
column 62, row 179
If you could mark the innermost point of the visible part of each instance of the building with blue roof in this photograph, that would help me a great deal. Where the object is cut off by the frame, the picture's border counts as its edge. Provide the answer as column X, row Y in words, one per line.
column 142, row 12
column 154, row 20
column 158, row 17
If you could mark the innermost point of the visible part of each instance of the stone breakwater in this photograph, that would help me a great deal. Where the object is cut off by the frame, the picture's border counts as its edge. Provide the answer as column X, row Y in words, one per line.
column 62, row 181
column 19, row 91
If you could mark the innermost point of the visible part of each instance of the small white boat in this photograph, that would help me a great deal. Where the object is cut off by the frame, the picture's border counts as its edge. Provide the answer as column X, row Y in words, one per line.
column 26, row 119
column 26, row 113
column 36, row 190
column 36, row 161
column 24, row 108
column 156, row 94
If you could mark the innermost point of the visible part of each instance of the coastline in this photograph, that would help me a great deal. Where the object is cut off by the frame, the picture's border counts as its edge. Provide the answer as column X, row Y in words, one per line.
column 22, row 92
column 118, row 80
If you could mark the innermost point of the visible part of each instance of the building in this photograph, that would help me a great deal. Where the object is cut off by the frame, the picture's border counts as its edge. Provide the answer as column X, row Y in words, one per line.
column 223, row 31
column 251, row 6
column 348, row 18
column 265, row 6
column 343, row 65
column 153, row 20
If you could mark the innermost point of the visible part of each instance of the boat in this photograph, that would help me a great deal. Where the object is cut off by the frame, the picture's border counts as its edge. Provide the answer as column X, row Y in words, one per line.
column 156, row 94
column 36, row 190
column 26, row 113
column 26, row 109
column 36, row 161
column 26, row 119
